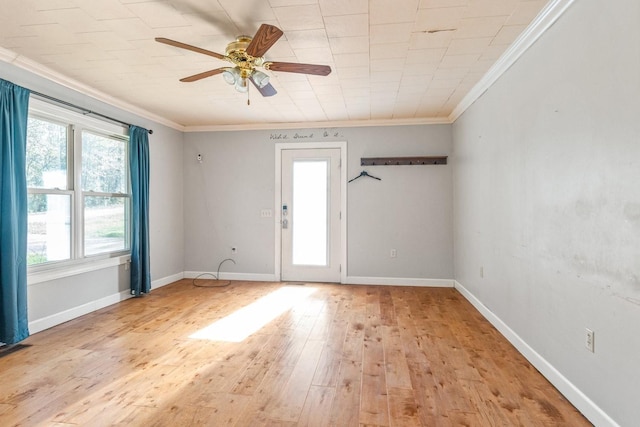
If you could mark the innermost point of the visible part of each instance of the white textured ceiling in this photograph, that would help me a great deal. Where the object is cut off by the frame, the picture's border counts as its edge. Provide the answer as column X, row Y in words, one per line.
column 404, row 60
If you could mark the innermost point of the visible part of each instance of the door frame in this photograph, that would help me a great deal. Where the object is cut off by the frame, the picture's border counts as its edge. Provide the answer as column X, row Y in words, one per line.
column 279, row 147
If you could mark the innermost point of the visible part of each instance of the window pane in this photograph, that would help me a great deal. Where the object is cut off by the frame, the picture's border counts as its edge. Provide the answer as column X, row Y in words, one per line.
column 46, row 154
column 104, row 224
column 49, row 229
column 104, row 166
column 309, row 222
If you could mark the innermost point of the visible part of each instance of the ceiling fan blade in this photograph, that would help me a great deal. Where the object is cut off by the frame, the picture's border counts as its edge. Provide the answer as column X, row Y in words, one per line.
column 267, row 90
column 293, row 67
column 189, row 47
column 199, row 76
column 265, row 37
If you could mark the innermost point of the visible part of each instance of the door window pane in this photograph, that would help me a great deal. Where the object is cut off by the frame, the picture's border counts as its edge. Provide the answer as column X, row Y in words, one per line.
column 49, row 228
column 310, row 206
column 104, row 224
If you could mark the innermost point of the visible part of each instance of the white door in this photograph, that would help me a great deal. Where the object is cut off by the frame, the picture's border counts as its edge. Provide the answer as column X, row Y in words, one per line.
column 310, row 215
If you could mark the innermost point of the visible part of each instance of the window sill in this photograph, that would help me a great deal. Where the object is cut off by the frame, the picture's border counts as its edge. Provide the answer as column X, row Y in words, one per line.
column 43, row 274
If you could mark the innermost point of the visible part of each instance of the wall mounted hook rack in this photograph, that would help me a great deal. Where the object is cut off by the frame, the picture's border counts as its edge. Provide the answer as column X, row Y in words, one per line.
column 398, row 161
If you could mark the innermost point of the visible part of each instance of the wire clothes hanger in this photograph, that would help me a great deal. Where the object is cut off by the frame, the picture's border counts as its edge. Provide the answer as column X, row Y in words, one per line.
column 365, row 173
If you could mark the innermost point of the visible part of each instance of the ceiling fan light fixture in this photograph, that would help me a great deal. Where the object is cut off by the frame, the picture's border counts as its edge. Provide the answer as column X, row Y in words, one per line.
column 260, row 79
column 241, row 85
column 230, row 75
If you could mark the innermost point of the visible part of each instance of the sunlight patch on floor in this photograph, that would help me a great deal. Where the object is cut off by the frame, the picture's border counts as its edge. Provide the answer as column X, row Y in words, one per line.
column 240, row 324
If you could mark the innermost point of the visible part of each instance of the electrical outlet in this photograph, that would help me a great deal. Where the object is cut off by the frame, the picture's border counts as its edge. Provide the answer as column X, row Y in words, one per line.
column 393, row 253
column 234, row 250
column 590, row 340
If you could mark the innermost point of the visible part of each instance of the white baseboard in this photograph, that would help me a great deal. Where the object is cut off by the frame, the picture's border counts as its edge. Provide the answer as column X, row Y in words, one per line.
column 351, row 280
column 585, row 405
column 158, row 283
column 249, row 277
column 399, row 281
column 39, row 325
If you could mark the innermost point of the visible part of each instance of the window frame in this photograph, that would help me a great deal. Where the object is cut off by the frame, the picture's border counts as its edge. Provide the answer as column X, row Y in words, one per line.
column 76, row 124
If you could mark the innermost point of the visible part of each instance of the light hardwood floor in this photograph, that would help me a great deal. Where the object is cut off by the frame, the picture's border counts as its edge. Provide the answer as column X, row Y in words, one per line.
column 337, row 355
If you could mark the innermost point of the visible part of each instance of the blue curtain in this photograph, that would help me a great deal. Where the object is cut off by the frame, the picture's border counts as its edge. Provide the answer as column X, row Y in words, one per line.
column 14, row 109
column 139, row 165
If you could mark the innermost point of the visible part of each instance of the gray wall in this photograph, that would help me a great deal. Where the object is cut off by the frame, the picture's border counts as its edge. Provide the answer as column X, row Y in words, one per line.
column 409, row 210
column 223, row 197
column 78, row 293
column 546, row 200
column 166, row 212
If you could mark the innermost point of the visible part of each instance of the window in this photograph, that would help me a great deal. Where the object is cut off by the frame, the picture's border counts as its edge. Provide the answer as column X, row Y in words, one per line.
column 104, row 192
column 49, row 195
column 78, row 187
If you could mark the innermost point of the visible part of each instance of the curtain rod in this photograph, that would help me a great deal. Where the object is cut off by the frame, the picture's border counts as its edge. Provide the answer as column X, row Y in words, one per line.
column 84, row 110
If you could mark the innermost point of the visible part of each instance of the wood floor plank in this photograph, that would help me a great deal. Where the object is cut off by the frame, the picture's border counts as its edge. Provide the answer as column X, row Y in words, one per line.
column 175, row 415
column 141, row 388
column 317, row 407
column 403, row 408
column 258, row 368
column 265, row 396
column 396, row 367
column 340, row 356
column 222, row 409
column 328, row 368
column 387, row 309
column 345, row 410
column 335, row 331
column 425, row 394
column 6, row 408
column 209, row 380
column 44, row 406
column 354, row 338
column 290, row 401
column 374, row 408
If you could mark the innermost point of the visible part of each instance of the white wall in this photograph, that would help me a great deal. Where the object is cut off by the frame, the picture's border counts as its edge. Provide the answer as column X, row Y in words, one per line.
column 546, row 201
column 409, row 210
column 55, row 301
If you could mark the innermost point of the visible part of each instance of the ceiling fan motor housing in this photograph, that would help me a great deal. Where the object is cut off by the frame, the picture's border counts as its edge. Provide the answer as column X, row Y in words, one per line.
column 240, row 44
column 236, row 51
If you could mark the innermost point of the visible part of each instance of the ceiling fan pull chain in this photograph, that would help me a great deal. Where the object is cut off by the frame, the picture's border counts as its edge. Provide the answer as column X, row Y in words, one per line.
column 248, row 100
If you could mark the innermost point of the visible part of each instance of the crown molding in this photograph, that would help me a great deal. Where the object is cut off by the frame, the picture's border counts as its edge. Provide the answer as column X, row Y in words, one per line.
column 541, row 23
column 7, row 55
column 45, row 72
column 317, row 125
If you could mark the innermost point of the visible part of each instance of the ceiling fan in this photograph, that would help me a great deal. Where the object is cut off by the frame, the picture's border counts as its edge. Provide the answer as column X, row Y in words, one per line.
column 247, row 54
